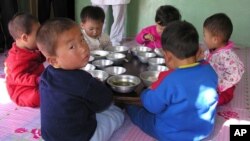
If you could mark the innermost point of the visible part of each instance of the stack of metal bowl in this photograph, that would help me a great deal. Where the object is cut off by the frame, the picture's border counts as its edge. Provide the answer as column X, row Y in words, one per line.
column 123, row 83
column 137, row 49
column 156, row 61
column 117, row 58
column 157, row 68
column 118, row 49
column 144, row 56
column 159, row 52
column 148, row 77
column 99, row 74
column 99, row 54
column 88, row 67
column 115, row 70
column 102, row 63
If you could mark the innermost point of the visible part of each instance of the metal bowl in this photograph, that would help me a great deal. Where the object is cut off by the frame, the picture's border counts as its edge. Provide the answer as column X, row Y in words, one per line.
column 118, row 49
column 117, row 58
column 156, row 61
column 88, row 67
column 148, row 77
column 123, row 83
column 102, row 63
column 91, row 58
column 158, row 68
column 159, row 52
column 144, row 56
column 115, row 70
column 137, row 49
column 99, row 54
column 99, row 74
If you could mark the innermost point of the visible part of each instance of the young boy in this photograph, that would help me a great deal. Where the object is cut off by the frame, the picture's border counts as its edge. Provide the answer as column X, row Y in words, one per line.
column 92, row 19
column 181, row 104
column 229, row 68
column 70, row 97
column 24, row 63
column 151, row 36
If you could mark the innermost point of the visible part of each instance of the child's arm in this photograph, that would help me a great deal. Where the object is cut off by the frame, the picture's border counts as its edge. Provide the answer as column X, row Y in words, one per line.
column 144, row 36
column 99, row 97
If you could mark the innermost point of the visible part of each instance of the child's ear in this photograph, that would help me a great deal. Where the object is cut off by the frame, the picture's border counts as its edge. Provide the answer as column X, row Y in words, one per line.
column 53, row 61
column 82, row 25
column 24, row 37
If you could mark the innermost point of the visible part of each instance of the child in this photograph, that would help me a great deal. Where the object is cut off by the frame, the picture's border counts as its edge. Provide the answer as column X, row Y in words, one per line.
column 24, row 63
column 70, row 97
column 92, row 19
column 151, row 36
column 217, row 30
column 181, row 104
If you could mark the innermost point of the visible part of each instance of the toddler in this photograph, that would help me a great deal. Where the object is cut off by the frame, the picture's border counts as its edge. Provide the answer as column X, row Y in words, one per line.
column 217, row 30
column 181, row 104
column 24, row 63
column 70, row 97
column 92, row 19
column 151, row 36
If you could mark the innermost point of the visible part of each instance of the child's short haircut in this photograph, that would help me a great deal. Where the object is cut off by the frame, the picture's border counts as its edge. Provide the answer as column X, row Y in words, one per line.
column 220, row 25
column 47, row 35
column 92, row 12
column 21, row 23
column 166, row 14
column 181, row 39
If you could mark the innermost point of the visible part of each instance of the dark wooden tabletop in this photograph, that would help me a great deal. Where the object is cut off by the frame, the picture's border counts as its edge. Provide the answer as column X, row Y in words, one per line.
column 133, row 67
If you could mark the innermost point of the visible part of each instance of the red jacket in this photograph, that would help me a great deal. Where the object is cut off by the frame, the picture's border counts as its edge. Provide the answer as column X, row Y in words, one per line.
column 23, row 68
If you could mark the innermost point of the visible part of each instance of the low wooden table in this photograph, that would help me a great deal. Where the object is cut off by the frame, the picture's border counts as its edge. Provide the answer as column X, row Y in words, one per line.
column 133, row 67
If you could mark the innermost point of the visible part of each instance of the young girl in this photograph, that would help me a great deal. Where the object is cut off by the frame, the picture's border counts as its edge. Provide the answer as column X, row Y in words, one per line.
column 151, row 36
column 217, row 31
column 92, row 19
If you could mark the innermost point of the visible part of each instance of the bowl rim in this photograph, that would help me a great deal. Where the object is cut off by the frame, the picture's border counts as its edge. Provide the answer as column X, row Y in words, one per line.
column 99, row 60
column 123, row 75
column 124, row 69
column 107, row 74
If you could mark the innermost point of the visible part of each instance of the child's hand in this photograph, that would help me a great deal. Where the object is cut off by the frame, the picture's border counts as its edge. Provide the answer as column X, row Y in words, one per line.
column 149, row 37
column 200, row 54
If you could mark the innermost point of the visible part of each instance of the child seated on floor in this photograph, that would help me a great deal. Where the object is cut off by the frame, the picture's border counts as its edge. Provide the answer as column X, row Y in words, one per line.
column 74, row 105
column 151, row 35
column 24, row 63
column 217, row 30
column 181, row 104
column 92, row 20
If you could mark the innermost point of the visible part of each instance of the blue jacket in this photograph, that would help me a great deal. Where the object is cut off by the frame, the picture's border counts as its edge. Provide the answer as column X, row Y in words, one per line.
column 184, row 103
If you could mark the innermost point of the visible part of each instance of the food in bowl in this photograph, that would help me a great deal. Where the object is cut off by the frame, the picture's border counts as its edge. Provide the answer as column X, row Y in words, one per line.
column 124, row 83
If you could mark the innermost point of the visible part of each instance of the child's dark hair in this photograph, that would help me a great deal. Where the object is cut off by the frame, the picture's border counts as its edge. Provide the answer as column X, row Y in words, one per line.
column 92, row 12
column 166, row 14
column 21, row 23
column 220, row 25
column 181, row 39
column 47, row 35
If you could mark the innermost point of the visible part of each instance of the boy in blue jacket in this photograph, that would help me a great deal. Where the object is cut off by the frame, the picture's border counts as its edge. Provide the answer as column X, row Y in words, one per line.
column 181, row 104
